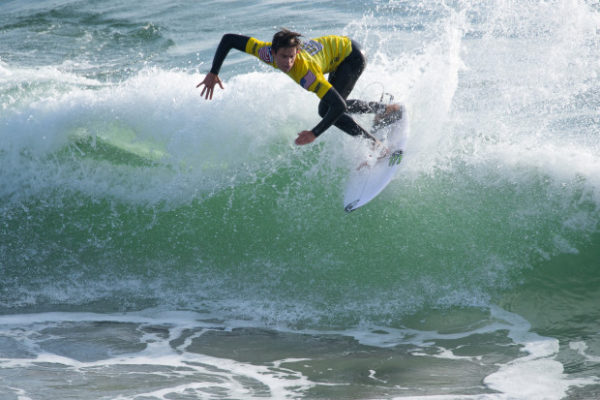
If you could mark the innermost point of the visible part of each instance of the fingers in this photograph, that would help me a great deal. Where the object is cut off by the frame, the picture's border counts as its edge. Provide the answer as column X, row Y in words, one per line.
column 209, row 83
column 208, row 90
column 305, row 137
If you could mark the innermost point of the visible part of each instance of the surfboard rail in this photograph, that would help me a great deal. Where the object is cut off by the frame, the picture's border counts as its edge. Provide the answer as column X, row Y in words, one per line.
column 368, row 180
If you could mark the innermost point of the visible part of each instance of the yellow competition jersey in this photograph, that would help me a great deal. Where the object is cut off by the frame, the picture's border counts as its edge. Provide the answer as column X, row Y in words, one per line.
column 317, row 57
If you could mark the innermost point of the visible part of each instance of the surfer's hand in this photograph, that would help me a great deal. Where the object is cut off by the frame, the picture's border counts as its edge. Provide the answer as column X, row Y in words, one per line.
column 305, row 137
column 209, row 82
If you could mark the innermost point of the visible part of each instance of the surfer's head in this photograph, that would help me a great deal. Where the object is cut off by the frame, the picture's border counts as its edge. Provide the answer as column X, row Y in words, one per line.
column 285, row 47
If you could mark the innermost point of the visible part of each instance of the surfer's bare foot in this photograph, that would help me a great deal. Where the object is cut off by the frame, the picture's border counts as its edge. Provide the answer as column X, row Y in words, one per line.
column 384, row 153
column 392, row 113
column 362, row 165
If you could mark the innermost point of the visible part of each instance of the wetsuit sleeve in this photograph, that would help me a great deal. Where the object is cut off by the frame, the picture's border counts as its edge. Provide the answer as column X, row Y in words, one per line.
column 336, row 107
column 228, row 42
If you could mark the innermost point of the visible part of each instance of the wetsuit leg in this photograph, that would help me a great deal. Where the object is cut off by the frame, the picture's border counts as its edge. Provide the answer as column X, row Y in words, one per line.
column 343, row 80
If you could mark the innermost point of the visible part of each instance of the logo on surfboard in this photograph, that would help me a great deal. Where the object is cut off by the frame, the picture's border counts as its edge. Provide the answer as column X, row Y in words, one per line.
column 395, row 158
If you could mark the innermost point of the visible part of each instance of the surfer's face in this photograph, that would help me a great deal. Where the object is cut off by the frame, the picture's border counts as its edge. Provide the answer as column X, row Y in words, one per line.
column 285, row 58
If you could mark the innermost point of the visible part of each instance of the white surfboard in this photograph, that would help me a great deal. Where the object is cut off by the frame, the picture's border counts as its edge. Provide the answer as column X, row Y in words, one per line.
column 372, row 175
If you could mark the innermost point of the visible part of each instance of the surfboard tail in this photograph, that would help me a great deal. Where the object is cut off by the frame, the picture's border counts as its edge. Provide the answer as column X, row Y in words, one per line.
column 352, row 206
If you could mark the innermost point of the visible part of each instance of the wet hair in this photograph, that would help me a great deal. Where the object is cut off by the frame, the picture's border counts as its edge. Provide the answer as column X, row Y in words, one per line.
column 285, row 39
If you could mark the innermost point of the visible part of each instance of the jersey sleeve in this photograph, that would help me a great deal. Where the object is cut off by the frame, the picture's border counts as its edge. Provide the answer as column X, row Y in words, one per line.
column 312, row 80
column 260, row 50
column 322, row 86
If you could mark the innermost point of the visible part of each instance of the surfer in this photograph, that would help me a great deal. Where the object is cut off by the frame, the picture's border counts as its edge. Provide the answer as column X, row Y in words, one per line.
column 306, row 63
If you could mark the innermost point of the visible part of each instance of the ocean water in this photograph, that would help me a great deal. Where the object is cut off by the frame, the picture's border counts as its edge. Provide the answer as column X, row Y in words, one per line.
column 155, row 245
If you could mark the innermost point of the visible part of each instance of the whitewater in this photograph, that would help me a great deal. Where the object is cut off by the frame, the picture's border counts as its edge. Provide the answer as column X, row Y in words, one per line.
column 155, row 245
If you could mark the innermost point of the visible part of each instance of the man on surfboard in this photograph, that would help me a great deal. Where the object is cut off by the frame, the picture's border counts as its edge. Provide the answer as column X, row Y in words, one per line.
column 306, row 63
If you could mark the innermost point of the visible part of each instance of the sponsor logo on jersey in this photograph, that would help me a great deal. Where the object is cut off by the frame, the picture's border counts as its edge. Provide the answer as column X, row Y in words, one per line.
column 264, row 53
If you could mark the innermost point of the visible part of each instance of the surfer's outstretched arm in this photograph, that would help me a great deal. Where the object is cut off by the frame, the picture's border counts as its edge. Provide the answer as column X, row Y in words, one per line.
column 336, row 106
column 228, row 41
column 333, row 110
